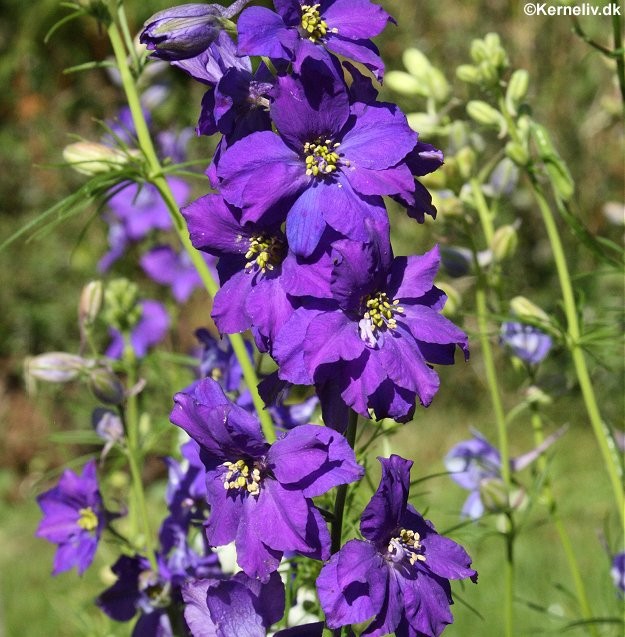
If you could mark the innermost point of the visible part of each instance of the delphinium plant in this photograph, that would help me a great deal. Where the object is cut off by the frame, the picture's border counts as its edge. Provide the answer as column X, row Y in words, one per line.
column 296, row 222
column 321, row 342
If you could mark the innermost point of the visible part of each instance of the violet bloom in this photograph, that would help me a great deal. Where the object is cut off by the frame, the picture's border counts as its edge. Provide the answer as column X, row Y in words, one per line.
column 475, row 463
column 618, row 571
column 186, row 30
column 174, row 269
column 74, row 518
column 398, row 576
column 218, row 360
column 232, row 607
column 141, row 209
column 252, row 289
column 376, row 341
column 326, row 166
column 301, row 29
column 260, row 494
column 527, row 342
column 150, row 330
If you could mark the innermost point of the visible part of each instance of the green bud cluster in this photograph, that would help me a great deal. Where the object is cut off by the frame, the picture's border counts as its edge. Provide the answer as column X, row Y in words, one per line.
column 121, row 308
column 489, row 62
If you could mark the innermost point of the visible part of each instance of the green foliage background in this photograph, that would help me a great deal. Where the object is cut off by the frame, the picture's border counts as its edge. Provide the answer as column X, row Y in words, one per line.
column 573, row 92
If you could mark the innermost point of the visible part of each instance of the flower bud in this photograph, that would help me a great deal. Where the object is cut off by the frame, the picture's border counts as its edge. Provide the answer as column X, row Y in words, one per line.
column 517, row 153
column 536, row 396
column 56, row 367
column 425, row 124
column 504, row 243
column 416, row 63
column 438, row 85
column 469, row 74
column 122, row 310
column 525, row 310
column 479, row 52
column 504, row 177
column 485, row 114
column 106, row 386
column 185, row 31
column 517, row 88
column 494, row 495
column 465, row 159
column 403, row 83
column 90, row 303
column 91, row 158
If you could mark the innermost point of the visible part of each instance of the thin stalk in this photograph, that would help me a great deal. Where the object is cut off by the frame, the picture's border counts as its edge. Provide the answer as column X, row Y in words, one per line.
column 574, row 346
column 134, row 453
column 619, row 54
column 156, row 177
column 565, row 540
column 488, row 358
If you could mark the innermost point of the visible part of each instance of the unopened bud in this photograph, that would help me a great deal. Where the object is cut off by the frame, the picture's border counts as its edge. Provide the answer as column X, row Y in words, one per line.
column 469, row 74
column 90, row 302
column 106, row 386
column 56, row 367
column 92, row 158
column 426, row 125
column 517, row 153
column 438, row 85
column 517, row 89
column 465, row 159
column 122, row 310
column 525, row 310
column 416, row 62
column 484, row 113
column 504, row 243
column 479, row 52
column 494, row 495
column 403, row 83
column 504, row 177
column 447, row 204
column 560, row 178
column 536, row 396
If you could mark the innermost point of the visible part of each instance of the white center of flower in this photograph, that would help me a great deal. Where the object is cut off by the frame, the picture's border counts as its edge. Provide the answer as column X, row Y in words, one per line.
column 407, row 546
column 239, row 476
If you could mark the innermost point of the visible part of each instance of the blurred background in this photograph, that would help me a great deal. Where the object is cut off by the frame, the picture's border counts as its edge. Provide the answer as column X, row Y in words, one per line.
column 572, row 91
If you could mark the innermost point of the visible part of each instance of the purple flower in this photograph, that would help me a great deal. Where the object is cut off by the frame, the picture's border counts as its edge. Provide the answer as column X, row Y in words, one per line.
column 150, row 330
column 175, row 269
column 618, row 571
column 73, row 518
column 527, row 342
column 260, row 494
column 328, row 164
column 250, row 268
column 300, row 30
column 376, row 338
column 218, row 360
column 398, row 576
column 186, row 30
column 475, row 463
column 141, row 209
column 233, row 607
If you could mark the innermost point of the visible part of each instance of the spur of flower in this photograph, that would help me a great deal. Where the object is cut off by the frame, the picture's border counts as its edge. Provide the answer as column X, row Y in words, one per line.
column 74, row 518
column 328, row 164
column 377, row 333
column 304, row 28
column 398, row 576
column 260, row 494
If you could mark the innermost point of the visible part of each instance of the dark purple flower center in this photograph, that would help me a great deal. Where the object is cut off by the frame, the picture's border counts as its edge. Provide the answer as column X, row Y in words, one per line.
column 88, row 520
column 321, row 157
column 378, row 311
column 156, row 591
column 241, row 476
column 314, row 27
column 405, row 549
column 257, row 94
column 265, row 252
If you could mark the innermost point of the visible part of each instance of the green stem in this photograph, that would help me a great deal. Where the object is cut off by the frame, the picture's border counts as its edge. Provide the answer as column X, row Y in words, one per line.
column 574, row 346
column 565, row 540
column 134, row 455
column 619, row 53
column 156, row 177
